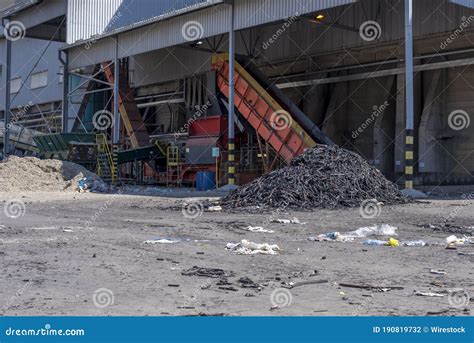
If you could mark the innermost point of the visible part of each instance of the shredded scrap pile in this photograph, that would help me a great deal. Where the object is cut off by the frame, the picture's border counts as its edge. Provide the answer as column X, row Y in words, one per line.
column 30, row 174
column 322, row 177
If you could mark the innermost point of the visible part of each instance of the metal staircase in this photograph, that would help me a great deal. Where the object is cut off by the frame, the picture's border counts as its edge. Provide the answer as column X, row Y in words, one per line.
column 107, row 167
column 173, row 166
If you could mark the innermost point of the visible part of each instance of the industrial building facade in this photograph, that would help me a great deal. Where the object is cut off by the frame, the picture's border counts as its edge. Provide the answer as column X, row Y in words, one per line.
column 338, row 63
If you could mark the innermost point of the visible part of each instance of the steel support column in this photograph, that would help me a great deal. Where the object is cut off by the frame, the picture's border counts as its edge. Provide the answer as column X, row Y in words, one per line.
column 231, row 133
column 116, row 128
column 8, row 74
column 65, row 107
column 409, row 132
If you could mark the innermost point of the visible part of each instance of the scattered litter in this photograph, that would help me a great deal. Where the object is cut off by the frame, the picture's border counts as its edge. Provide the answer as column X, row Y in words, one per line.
column 438, row 271
column 232, row 289
column 418, row 243
column 214, row 208
column 303, row 283
column 437, row 313
column 376, row 230
column 392, row 242
column 451, row 246
column 246, row 247
column 207, row 272
column 371, row 287
column 246, row 282
column 454, row 239
column 258, row 229
column 287, row 221
column 161, row 241
column 429, row 294
column 68, row 230
column 173, row 240
column 331, row 237
column 466, row 253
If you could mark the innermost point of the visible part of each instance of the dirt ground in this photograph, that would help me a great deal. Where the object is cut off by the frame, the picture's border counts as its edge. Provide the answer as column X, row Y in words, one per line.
column 84, row 254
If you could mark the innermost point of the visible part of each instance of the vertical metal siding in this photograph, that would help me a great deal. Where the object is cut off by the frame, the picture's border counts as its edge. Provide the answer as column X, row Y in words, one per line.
column 87, row 18
column 214, row 20
column 431, row 17
column 92, row 17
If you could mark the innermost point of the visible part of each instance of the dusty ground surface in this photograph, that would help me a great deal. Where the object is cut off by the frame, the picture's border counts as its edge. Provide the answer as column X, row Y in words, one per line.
column 68, row 247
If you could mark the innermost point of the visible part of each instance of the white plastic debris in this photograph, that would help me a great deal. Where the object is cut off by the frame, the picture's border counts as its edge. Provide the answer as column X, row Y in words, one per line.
column 246, row 247
column 331, row 237
column 376, row 230
column 258, row 229
column 430, row 294
column 454, row 240
column 438, row 271
column 214, row 208
column 160, row 241
column 288, row 221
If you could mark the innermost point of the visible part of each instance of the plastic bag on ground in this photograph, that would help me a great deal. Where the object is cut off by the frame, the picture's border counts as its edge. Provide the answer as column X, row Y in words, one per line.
column 376, row 230
column 246, row 247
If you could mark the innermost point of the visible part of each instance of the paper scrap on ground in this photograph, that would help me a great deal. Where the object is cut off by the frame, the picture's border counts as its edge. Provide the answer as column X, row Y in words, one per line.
column 430, row 294
column 214, row 209
column 376, row 230
column 258, row 229
column 438, row 271
column 160, row 241
column 246, row 247
column 287, row 221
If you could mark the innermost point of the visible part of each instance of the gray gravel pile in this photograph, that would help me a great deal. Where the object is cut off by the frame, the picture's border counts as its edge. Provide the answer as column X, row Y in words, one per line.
column 322, row 177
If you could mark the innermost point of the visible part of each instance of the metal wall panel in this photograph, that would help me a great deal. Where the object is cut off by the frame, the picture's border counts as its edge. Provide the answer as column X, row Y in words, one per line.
column 430, row 17
column 25, row 53
column 87, row 18
column 136, row 11
column 250, row 13
column 42, row 12
column 467, row 3
column 214, row 20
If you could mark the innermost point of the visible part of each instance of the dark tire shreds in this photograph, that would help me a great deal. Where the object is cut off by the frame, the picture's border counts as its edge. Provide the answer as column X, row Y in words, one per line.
column 322, row 177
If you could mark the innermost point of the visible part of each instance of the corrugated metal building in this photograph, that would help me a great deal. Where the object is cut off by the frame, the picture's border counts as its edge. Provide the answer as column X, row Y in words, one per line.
column 36, row 72
column 334, row 73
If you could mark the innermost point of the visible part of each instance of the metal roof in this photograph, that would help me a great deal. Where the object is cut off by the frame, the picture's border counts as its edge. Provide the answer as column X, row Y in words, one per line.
column 212, row 18
column 466, row 3
column 142, row 11
column 11, row 7
column 123, row 15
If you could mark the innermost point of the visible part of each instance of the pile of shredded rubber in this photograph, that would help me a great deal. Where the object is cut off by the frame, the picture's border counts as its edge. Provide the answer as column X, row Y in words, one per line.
column 322, row 177
column 30, row 174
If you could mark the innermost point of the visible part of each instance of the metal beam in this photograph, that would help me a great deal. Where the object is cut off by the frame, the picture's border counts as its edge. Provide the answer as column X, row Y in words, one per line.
column 8, row 72
column 65, row 107
column 378, row 73
column 409, row 132
column 116, row 128
column 231, row 133
column 161, row 102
